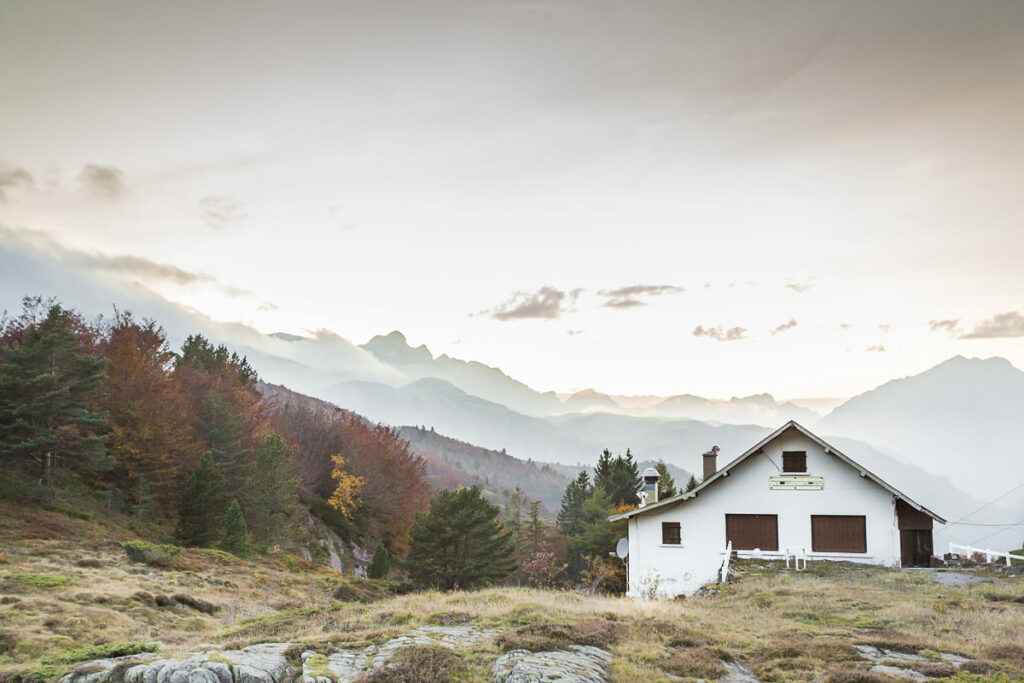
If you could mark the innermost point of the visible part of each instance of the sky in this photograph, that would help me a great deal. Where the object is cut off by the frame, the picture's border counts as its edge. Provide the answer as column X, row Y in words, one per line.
column 802, row 198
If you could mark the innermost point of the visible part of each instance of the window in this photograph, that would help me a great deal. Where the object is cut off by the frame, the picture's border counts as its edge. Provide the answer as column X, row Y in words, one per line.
column 748, row 532
column 670, row 533
column 839, row 534
column 794, row 461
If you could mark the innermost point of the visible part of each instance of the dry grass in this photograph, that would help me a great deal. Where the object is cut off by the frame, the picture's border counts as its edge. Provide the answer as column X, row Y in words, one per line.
column 786, row 626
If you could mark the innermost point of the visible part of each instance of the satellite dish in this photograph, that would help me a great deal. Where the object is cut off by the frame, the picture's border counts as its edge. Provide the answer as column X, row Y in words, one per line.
column 622, row 548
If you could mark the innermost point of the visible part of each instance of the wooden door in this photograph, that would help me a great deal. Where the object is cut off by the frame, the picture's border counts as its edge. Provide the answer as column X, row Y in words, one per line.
column 916, row 547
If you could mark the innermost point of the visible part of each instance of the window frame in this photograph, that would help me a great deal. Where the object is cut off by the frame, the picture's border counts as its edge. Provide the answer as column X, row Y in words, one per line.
column 789, row 456
column 665, row 526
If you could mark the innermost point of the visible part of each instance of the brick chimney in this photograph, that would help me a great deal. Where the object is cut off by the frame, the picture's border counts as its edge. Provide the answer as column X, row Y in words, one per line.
column 710, row 462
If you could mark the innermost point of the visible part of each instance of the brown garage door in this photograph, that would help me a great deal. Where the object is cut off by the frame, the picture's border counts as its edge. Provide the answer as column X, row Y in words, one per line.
column 752, row 531
column 839, row 534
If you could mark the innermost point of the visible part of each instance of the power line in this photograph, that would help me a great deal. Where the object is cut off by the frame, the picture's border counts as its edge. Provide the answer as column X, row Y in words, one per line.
column 991, row 502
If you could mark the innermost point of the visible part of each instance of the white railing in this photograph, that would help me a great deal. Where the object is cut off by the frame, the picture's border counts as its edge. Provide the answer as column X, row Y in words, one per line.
column 724, row 572
column 989, row 554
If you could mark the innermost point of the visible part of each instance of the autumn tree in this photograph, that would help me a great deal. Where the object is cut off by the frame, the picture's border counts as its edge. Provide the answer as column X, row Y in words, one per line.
column 51, row 385
column 459, row 543
column 150, row 434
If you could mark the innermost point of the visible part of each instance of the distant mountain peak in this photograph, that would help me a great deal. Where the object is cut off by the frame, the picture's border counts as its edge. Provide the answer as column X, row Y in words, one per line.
column 394, row 348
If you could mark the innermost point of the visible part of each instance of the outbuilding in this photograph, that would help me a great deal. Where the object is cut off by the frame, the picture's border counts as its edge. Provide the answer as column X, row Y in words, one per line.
column 791, row 494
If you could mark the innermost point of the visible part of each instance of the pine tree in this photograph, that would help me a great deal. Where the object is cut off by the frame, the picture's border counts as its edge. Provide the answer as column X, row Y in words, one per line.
column 666, row 484
column 604, row 471
column 513, row 513
column 535, row 526
column 50, row 390
column 234, row 540
column 570, row 515
column 203, row 505
column 380, row 566
column 692, row 483
column 273, row 491
column 459, row 543
column 624, row 482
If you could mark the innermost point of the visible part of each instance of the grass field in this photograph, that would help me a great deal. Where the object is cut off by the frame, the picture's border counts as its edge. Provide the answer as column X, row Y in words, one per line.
column 69, row 593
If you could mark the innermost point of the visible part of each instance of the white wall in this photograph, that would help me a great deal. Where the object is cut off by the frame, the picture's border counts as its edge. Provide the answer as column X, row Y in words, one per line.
column 682, row 569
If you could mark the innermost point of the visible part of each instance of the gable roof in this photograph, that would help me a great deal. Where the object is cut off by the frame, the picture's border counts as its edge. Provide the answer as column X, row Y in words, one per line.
column 757, row 448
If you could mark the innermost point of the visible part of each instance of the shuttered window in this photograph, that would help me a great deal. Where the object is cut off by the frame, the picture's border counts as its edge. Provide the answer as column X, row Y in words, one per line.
column 748, row 532
column 839, row 534
column 670, row 533
column 794, row 461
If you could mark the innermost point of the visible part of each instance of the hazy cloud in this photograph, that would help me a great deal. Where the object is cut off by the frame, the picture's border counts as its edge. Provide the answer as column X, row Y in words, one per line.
column 546, row 302
column 800, row 287
column 635, row 295
column 719, row 333
column 13, row 177
column 128, row 265
column 784, row 326
column 105, row 181
column 1003, row 325
column 949, row 326
column 222, row 212
column 875, row 349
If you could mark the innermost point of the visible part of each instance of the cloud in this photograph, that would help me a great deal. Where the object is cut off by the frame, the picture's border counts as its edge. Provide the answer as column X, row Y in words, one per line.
column 221, row 212
column 1001, row 326
column 949, row 326
column 635, row 295
column 800, row 287
column 845, row 326
column 573, row 333
column 784, row 326
column 13, row 177
column 123, row 264
column 875, row 349
column 884, row 328
column 105, row 181
column 720, row 334
column 547, row 303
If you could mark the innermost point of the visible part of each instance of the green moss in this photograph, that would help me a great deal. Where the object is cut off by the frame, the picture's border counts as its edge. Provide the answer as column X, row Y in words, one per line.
column 41, row 581
column 105, row 651
column 39, row 674
column 316, row 667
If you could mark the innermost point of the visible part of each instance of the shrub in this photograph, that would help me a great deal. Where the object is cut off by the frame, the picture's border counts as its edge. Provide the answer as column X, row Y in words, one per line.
column 854, row 676
column 106, row 651
column 154, row 554
column 90, row 563
column 698, row 662
column 418, row 664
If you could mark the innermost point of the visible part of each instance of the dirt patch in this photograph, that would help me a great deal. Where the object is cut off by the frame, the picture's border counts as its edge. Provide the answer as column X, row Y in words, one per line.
column 698, row 662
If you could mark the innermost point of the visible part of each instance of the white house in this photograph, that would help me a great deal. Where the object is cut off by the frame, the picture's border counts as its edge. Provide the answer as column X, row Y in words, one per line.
column 790, row 492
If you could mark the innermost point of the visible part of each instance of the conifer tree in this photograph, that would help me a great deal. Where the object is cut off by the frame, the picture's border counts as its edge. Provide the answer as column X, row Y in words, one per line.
column 50, row 389
column 570, row 515
column 666, row 484
column 234, row 540
column 535, row 527
column 692, row 483
column 273, row 491
column 513, row 513
column 604, row 471
column 203, row 505
column 380, row 566
column 459, row 543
